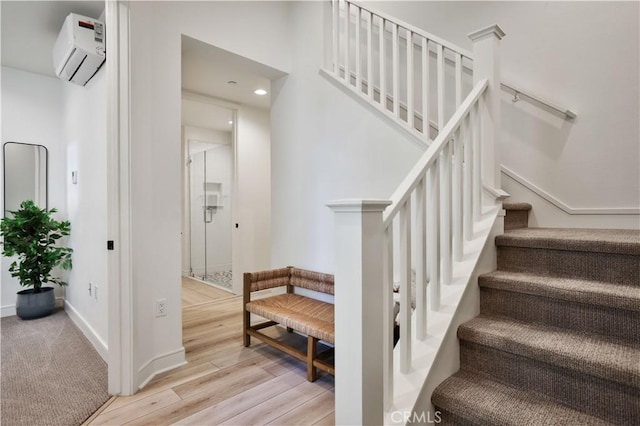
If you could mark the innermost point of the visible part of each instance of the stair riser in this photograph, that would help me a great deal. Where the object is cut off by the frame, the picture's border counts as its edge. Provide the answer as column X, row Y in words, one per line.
column 450, row 419
column 516, row 219
column 560, row 313
column 615, row 268
column 610, row 401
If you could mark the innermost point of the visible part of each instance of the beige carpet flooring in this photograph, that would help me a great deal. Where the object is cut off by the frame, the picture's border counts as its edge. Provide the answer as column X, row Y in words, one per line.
column 557, row 341
column 51, row 374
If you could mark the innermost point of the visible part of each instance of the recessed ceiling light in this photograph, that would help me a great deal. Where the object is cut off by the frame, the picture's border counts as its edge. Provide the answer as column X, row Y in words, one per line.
column 232, row 82
column 260, row 92
column 230, row 122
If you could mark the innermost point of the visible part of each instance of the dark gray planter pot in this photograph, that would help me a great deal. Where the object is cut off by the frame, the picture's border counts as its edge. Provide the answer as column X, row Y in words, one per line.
column 32, row 305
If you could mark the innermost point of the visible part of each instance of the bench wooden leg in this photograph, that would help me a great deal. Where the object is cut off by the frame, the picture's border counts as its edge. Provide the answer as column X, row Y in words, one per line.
column 246, row 323
column 312, row 371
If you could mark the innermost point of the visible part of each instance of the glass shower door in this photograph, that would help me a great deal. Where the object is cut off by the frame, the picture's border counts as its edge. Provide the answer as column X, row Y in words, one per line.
column 211, row 185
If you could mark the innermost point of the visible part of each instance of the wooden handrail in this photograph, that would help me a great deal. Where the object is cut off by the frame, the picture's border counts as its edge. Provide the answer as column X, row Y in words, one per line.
column 467, row 54
column 516, row 91
column 419, row 170
column 413, row 29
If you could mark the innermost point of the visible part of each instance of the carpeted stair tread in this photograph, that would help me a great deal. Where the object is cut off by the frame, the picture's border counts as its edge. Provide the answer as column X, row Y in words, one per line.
column 586, row 353
column 581, row 291
column 485, row 402
column 617, row 241
column 516, row 206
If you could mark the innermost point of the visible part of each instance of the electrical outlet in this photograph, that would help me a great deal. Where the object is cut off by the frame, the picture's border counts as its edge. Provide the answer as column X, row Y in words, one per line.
column 161, row 308
column 95, row 292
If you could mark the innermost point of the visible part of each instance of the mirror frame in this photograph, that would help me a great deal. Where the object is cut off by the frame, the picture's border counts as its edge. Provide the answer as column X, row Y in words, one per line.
column 4, row 171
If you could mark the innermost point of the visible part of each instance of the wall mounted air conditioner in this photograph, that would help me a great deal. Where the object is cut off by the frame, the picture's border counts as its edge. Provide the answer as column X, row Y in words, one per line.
column 79, row 51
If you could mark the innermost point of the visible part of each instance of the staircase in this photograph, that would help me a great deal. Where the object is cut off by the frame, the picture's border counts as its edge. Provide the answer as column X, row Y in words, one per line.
column 438, row 220
column 557, row 340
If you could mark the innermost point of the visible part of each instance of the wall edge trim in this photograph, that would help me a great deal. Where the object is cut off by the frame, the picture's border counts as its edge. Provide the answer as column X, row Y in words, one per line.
column 563, row 206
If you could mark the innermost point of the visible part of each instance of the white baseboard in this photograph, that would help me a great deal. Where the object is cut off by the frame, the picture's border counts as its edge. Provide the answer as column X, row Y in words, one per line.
column 10, row 310
column 548, row 212
column 160, row 364
column 7, row 311
column 88, row 331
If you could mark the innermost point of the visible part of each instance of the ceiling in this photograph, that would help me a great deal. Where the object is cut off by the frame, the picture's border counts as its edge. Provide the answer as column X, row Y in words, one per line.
column 29, row 30
column 206, row 115
column 207, row 70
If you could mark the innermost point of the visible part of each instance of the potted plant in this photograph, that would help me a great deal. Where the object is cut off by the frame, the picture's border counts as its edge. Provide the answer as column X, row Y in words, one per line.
column 32, row 235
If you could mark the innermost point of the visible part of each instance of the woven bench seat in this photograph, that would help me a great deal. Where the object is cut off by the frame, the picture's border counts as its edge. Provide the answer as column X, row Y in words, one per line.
column 309, row 316
column 306, row 315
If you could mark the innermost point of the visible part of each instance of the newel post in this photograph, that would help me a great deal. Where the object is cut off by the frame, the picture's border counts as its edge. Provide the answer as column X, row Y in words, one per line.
column 486, row 65
column 359, row 240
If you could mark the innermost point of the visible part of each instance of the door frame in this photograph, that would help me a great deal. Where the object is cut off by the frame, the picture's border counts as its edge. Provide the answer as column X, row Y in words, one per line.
column 206, row 99
column 121, row 369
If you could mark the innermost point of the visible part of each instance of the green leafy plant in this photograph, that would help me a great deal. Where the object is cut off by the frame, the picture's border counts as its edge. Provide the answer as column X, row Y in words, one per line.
column 32, row 235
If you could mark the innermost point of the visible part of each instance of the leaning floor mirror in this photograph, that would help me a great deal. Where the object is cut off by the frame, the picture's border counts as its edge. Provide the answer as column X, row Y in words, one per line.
column 25, row 175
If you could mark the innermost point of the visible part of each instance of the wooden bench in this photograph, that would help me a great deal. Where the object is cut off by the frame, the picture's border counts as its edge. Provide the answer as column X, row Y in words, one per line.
column 308, row 316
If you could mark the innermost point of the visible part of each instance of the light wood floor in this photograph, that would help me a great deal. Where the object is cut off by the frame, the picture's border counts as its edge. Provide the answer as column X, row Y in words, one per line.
column 224, row 382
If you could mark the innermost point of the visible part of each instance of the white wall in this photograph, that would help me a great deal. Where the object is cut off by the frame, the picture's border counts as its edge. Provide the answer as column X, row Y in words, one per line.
column 155, row 41
column 583, row 55
column 85, row 121
column 252, row 212
column 71, row 122
column 32, row 112
column 325, row 146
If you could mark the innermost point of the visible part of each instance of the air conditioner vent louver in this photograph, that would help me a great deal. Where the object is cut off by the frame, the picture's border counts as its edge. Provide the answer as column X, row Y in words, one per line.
column 79, row 51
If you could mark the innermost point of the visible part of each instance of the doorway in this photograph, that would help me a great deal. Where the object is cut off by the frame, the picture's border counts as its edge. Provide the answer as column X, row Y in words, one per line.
column 209, row 187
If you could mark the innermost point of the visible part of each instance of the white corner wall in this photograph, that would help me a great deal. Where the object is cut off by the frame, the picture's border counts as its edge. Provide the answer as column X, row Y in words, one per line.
column 325, row 145
column 581, row 55
column 32, row 113
column 71, row 122
column 85, row 132
column 252, row 212
column 155, row 43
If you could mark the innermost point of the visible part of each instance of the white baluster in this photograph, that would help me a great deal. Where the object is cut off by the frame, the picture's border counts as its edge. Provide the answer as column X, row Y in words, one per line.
column 347, row 42
column 457, row 195
column 445, row 213
column 477, row 164
column 358, row 61
column 405, row 287
column 441, row 92
column 370, row 57
column 410, row 113
column 457, row 170
column 395, row 45
column 336, row 30
column 388, row 318
column 468, row 185
column 383, row 64
column 458, row 73
column 426, row 126
column 420, row 256
column 433, row 239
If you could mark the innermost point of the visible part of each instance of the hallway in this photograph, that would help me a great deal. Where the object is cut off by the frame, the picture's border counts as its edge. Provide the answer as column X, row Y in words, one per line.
column 224, row 382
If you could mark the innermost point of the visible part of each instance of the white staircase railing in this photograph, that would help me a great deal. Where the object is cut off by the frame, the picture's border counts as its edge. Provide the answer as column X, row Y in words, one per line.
column 398, row 67
column 435, row 209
